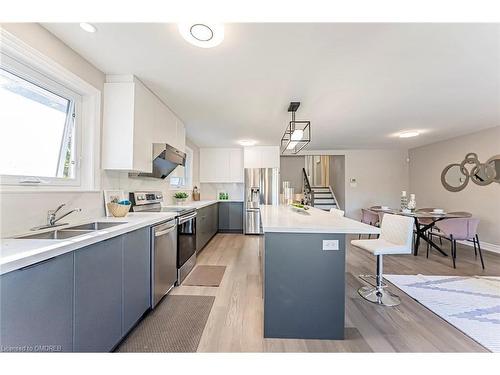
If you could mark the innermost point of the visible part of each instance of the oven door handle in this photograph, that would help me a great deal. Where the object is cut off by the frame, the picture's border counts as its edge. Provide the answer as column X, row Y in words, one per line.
column 162, row 232
column 184, row 219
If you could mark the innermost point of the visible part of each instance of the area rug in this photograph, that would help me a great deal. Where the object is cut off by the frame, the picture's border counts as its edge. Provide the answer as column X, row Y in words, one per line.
column 470, row 303
column 205, row 276
column 175, row 325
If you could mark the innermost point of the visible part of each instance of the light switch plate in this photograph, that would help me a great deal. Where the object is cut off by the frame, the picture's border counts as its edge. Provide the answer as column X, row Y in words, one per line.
column 330, row 244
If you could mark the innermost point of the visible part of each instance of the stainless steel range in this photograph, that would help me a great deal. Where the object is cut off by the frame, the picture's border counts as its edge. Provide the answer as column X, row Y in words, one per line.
column 151, row 201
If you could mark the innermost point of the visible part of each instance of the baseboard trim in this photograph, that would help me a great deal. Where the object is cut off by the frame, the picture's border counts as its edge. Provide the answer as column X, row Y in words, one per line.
column 484, row 246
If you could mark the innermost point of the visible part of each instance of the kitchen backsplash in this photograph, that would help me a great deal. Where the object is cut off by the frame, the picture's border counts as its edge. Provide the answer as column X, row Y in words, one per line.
column 211, row 191
column 21, row 211
column 121, row 181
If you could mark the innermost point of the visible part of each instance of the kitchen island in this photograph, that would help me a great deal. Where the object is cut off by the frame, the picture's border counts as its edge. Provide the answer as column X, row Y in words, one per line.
column 303, row 258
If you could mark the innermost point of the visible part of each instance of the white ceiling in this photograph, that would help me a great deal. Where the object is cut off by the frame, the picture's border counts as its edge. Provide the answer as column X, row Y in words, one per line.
column 358, row 83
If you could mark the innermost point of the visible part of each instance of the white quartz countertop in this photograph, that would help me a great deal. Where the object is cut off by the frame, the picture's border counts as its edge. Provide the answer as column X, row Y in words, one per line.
column 17, row 253
column 193, row 204
column 200, row 204
column 287, row 219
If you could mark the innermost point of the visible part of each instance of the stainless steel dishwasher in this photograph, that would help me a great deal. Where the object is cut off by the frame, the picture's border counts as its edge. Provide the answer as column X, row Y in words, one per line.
column 163, row 260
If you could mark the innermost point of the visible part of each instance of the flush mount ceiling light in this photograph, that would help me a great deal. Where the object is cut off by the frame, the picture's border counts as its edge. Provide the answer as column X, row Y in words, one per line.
column 297, row 134
column 88, row 27
column 247, row 142
column 409, row 134
column 204, row 35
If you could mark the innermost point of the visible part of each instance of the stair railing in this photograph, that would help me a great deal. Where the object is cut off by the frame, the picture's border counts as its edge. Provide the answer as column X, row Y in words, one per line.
column 308, row 193
column 334, row 198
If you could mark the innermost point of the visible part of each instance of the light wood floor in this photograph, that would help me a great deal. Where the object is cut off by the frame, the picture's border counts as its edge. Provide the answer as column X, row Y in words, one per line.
column 236, row 320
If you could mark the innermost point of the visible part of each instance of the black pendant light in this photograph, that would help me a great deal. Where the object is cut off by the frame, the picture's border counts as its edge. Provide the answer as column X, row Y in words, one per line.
column 297, row 134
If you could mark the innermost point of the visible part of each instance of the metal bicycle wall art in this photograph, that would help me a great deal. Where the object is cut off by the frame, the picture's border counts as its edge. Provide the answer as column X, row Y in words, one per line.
column 456, row 176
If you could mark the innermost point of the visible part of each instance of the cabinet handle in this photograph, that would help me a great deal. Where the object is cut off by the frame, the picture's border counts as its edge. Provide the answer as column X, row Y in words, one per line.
column 36, row 264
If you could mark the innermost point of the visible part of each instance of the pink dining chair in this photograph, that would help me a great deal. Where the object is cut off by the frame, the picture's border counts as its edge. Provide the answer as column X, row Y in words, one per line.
column 459, row 229
column 370, row 218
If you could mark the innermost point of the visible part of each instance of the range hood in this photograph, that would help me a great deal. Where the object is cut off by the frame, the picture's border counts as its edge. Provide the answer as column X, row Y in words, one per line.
column 165, row 159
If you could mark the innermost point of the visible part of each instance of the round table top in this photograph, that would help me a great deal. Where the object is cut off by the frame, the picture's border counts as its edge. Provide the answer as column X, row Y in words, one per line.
column 423, row 214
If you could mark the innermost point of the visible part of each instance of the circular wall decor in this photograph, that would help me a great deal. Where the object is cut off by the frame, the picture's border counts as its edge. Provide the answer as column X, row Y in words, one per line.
column 494, row 163
column 455, row 177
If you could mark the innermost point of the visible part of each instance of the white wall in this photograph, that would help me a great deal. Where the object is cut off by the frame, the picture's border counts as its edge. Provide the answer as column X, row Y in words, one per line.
column 20, row 211
column 337, row 178
column 427, row 163
column 39, row 38
column 291, row 171
column 381, row 175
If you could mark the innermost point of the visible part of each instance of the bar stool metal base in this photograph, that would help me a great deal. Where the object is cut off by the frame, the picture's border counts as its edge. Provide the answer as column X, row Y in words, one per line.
column 379, row 296
column 377, row 293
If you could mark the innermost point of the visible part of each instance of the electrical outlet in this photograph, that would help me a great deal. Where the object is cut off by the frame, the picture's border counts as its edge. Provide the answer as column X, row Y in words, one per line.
column 330, row 244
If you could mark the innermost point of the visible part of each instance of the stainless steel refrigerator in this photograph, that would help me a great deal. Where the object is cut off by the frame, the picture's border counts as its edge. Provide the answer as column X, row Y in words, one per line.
column 261, row 187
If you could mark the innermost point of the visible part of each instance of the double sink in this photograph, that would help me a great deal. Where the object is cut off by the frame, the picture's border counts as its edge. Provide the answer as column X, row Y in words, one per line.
column 69, row 232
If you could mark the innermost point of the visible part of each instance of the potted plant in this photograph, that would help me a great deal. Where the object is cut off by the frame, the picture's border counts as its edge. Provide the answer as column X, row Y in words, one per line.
column 180, row 197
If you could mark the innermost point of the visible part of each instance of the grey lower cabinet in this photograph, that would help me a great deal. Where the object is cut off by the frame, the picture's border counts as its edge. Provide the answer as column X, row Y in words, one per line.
column 98, row 296
column 83, row 301
column 206, row 225
column 136, row 276
column 112, row 290
column 231, row 217
column 36, row 307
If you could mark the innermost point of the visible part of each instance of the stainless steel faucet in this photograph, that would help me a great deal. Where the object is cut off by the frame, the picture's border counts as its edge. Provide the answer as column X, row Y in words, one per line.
column 52, row 219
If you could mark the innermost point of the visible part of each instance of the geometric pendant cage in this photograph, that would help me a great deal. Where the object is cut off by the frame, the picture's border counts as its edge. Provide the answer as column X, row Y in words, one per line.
column 297, row 134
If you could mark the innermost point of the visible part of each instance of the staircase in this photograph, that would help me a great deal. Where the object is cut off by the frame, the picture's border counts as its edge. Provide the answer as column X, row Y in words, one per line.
column 323, row 198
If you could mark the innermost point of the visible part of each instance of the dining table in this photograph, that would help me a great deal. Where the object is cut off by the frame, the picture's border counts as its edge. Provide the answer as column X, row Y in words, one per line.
column 430, row 217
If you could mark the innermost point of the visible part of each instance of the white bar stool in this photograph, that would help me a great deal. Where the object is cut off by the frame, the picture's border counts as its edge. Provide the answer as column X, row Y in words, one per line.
column 396, row 237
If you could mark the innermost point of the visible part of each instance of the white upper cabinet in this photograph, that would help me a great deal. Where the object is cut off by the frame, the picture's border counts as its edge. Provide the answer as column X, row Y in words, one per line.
column 221, row 165
column 236, row 165
column 133, row 119
column 262, row 157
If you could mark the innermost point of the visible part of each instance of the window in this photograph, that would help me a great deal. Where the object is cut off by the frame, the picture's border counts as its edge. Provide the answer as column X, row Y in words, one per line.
column 185, row 180
column 38, row 128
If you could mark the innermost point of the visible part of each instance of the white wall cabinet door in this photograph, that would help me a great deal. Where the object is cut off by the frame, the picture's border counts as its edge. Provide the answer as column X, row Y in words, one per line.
column 165, row 125
column 208, row 163
column 144, row 127
column 251, row 157
column 270, row 156
column 221, row 165
column 222, row 173
column 236, row 165
column 262, row 157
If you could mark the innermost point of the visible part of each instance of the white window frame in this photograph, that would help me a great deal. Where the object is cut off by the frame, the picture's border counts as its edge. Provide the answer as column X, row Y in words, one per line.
column 187, row 183
column 87, row 128
column 28, row 74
